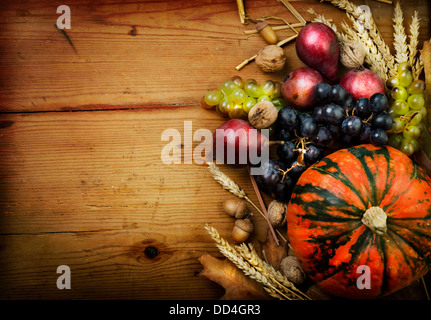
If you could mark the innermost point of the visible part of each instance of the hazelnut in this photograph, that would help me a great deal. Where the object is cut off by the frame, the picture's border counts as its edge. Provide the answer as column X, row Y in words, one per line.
column 271, row 58
column 242, row 230
column 262, row 114
column 292, row 270
column 235, row 208
column 277, row 213
column 267, row 33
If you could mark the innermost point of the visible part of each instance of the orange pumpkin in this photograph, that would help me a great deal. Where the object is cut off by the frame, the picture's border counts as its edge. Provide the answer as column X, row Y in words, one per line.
column 362, row 214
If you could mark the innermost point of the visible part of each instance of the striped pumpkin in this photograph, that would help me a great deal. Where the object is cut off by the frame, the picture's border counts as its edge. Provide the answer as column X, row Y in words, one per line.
column 363, row 206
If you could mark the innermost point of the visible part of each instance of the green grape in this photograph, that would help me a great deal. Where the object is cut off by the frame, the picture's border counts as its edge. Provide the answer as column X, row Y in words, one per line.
column 392, row 112
column 412, row 132
column 416, row 101
column 228, row 87
column 416, row 87
column 267, row 87
column 238, row 96
column 398, row 125
column 405, row 77
column 213, row 98
column 415, row 144
column 277, row 91
column 252, row 89
column 407, row 147
column 399, row 93
column 414, row 117
column 225, row 104
column 392, row 82
column 238, row 81
column 422, row 111
column 236, row 112
column 248, row 81
column 400, row 107
column 395, row 140
column 248, row 104
column 279, row 103
column 404, row 66
column 264, row 98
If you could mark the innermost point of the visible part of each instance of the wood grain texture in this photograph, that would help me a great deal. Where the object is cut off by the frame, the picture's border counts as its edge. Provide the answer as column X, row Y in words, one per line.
column 88, row 188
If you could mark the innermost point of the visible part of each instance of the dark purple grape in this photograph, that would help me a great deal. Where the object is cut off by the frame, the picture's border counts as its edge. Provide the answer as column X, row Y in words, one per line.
column 288, row 118
column 283, row 190
column 378, row 137
column 378, row 102
column 285, row 151
column 351, row 125
column 348, row 103
column 296, row 170
column 383, row 121
column 337, row 94
column 307, row 125
column 347, row 141
column 333, row 113
column 322, row 137
column 284, row 135
column 335, row 131
column 317, row 114
column 362, row 108
column 270, row 175
column 322, row 91
column 312, row 154
column 364, row 135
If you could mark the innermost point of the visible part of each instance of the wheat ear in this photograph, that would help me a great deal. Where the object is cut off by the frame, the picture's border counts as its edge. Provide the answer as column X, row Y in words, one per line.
column 245, row 263
column 372, row 29
column 413, row 46
column 400, row 37
column 373, row 56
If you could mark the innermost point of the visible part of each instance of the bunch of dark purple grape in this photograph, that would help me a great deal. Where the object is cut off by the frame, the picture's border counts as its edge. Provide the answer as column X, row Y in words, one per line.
column 337, row 121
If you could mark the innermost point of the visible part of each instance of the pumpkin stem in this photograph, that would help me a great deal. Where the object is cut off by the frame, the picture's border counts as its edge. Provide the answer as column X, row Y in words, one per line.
column 375, row 219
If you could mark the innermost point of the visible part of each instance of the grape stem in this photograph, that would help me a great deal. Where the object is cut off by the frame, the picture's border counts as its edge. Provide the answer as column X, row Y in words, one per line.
column 407, row 123
column 300, row 160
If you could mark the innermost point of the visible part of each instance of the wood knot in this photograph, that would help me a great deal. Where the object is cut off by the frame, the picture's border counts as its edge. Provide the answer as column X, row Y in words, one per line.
column 151, row 252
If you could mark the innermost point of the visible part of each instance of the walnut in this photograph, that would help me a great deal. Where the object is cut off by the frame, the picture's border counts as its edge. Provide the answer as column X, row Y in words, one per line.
column 262, row 114
column 352, row 54
column 271, row 58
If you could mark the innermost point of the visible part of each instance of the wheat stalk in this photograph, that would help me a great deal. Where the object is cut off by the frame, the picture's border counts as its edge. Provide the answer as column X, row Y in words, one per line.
column 246, row 263
column 248, row 252
column 413, row 46
column 373, row 56
column 400, row 37
column 367, row 19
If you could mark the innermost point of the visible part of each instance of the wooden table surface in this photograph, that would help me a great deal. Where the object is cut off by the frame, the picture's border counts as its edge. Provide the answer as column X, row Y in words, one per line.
column 82, row 112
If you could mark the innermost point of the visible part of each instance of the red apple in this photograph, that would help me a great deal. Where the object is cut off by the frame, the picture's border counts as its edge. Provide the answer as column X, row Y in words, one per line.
column 298, row 88
column 317, row 46
column 236, row 142
column 362, row 82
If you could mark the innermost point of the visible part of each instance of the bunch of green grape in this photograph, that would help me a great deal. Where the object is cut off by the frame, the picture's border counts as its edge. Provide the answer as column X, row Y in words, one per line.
column 235, row 97
column 408, row 110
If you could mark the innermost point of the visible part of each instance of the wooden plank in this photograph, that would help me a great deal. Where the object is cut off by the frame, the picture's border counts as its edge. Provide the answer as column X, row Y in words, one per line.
column 131, row 54
column 89, row 190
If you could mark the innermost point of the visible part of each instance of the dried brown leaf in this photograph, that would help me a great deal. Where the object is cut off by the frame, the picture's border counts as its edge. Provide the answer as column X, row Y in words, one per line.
column 274, row 253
